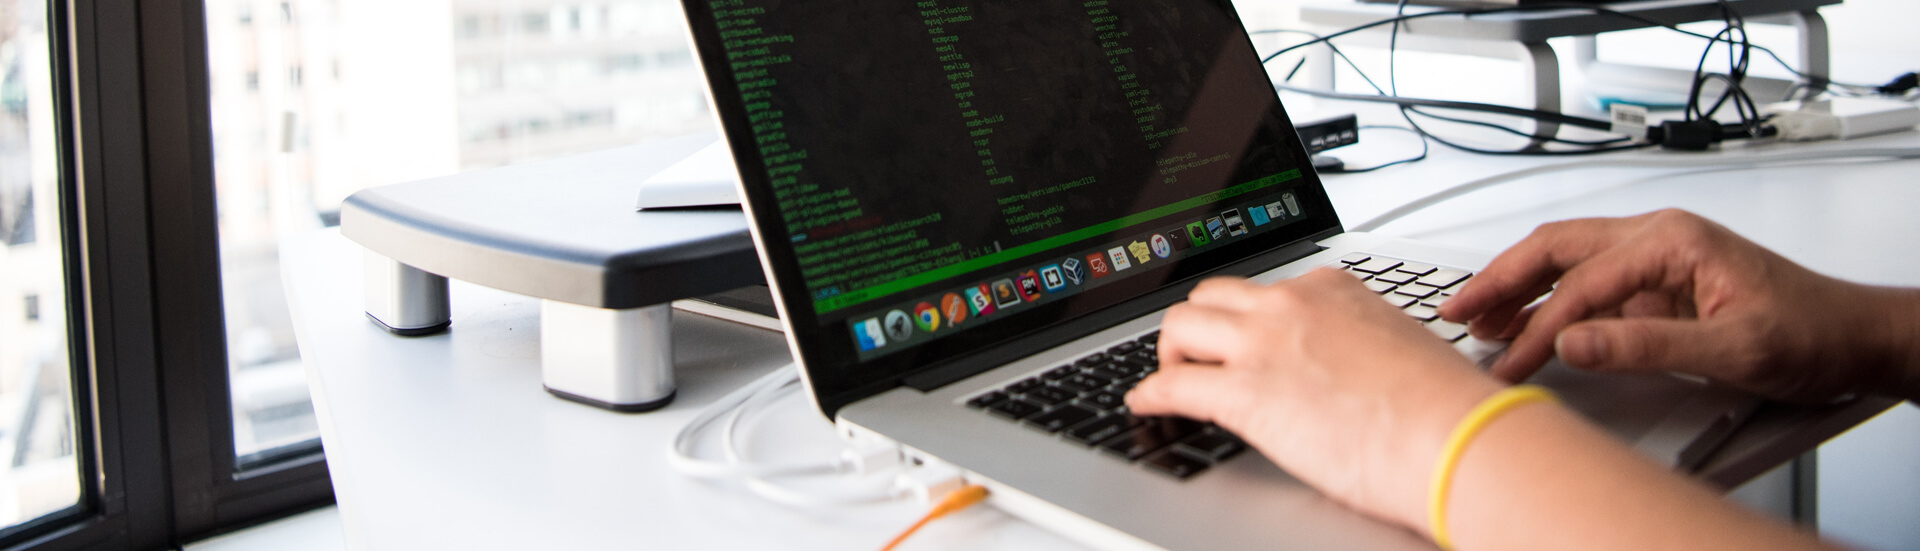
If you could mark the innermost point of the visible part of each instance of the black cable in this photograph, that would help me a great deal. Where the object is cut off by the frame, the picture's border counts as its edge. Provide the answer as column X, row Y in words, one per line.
column 1544, row 116
column 1738, row 54
column 1900, row 85
column 1550, row 7
column 1393, row 43
column 1336, row 51
column 1485, row 124
column 1421, row 157
column 1468, row 106
column 1463, row 106
column 1699, row 127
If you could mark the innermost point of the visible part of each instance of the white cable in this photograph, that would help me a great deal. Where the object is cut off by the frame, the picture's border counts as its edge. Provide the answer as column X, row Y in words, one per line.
column 1677, row 161
column 680, row 453
column 853, row 464
column 759, row 478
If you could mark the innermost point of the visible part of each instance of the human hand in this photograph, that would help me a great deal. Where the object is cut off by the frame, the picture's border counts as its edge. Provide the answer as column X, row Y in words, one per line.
column 1323, row 377
column 1672, row 291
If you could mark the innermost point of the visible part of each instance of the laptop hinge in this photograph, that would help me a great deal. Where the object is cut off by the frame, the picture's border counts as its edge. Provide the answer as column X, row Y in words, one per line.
column 1012, row 350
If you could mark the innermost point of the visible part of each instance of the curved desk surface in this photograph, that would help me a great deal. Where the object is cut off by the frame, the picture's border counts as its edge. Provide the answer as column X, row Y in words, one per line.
column 448, row 442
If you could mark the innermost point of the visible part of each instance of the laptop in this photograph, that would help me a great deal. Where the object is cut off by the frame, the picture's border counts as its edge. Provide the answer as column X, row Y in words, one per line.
column 972, row 214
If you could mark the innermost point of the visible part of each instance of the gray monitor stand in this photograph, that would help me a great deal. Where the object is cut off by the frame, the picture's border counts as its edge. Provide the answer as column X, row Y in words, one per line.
column 564, row 231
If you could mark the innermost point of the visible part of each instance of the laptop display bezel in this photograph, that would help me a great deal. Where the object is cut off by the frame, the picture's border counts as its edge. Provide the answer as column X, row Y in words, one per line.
column 826, row 353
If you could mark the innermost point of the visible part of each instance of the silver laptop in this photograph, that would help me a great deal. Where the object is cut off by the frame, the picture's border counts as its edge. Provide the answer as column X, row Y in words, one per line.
column 972, row 215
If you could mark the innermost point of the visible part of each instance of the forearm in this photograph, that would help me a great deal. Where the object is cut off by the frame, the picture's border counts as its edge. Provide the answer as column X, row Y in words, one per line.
column 1538, row 477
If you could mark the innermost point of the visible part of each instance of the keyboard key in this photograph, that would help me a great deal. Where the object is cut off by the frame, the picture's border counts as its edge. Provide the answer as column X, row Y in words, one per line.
column 1024, row 385
column 1436, row 300
column 1123, row 349
column 1091, row 378
column 1396, row 278
column 1096, row 358
column 1381, row 287
column 1444, row 278
column 1377, row 265
column 1416, row 268
column 1157, row 433
column 1048, row 396
column 1399, row 300
column 1447, row 330
column 1014, row 409
column 1416, row 291
column 1178, row 465
column 1091, row 432
column 1060, row 418
column 1127, row 367
column 987, row 399
column 1061, row 372
column 1076, row 387
column 1105, row 401
column 1355, row 258
column 1148, row 338
column 1214, row 445
column 1108, row 372
column 1422, row 312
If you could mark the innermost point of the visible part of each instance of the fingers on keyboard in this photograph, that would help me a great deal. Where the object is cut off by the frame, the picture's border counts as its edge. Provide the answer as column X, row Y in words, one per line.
column 1084, row 402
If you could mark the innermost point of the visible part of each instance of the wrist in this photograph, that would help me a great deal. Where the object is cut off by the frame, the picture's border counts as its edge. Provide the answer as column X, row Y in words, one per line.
column 1433, row 412
column 1898, row 343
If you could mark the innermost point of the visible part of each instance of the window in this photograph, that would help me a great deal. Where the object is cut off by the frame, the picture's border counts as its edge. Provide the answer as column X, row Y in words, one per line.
column 139, row 265
column 417, row 90
column 39, row 466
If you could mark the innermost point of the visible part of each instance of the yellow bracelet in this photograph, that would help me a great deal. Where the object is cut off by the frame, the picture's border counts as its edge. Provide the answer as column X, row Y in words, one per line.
column 1475, row 421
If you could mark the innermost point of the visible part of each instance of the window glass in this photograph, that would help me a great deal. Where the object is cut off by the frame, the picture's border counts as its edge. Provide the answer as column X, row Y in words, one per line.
column 39, row 472
column 313, row 100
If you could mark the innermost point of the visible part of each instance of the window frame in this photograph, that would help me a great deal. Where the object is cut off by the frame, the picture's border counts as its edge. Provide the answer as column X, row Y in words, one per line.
column 152, row 401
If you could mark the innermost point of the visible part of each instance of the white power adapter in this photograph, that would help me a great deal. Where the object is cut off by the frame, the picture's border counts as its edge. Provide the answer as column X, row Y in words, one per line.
column 1841, row 118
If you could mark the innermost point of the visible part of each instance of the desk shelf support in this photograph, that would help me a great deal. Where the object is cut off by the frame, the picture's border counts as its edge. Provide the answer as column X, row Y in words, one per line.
column 620, row 360
column 405, row 300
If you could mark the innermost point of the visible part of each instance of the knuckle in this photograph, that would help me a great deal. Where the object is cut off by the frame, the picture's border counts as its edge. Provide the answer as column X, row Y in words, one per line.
column 1286, row 297
column 1670, row 215
column 1177, row 317
column 1674, row 219
column 1550, row 229
column 1750, row 356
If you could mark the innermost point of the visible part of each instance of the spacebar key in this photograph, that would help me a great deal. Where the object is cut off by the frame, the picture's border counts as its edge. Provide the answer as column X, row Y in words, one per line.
column 1155, row 434
column 1064, row 417
column 1102, row 428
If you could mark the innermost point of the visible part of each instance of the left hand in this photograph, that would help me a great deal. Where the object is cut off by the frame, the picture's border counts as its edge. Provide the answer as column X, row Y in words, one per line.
column 1334, row 385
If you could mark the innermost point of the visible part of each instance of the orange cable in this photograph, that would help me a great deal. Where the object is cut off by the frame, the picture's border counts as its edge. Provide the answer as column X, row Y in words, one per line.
column 960, row 499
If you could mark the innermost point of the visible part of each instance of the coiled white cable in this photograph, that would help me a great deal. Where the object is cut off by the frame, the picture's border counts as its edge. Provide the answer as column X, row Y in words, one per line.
column 1676, row 161
column 870, row 474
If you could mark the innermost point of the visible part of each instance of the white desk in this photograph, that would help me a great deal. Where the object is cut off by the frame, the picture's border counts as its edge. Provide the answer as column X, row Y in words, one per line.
column 449, row 442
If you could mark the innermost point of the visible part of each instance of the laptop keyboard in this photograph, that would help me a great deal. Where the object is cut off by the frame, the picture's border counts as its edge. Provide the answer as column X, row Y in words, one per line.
column 1417, row 289
column 1084, row 401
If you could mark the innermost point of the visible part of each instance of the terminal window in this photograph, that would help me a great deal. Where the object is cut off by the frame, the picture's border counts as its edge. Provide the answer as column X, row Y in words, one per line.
column 910, row 144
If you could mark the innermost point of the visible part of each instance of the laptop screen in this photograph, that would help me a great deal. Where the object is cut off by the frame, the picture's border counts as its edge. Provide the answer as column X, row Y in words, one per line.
column 928, row 178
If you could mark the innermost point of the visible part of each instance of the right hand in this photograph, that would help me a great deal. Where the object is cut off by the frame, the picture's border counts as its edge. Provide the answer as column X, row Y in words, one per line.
column 1671, row 291
column 1323, row 377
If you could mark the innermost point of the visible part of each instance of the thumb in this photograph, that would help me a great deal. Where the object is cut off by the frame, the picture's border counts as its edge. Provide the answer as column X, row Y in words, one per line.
column 1191, row 391
column 1646, row 344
